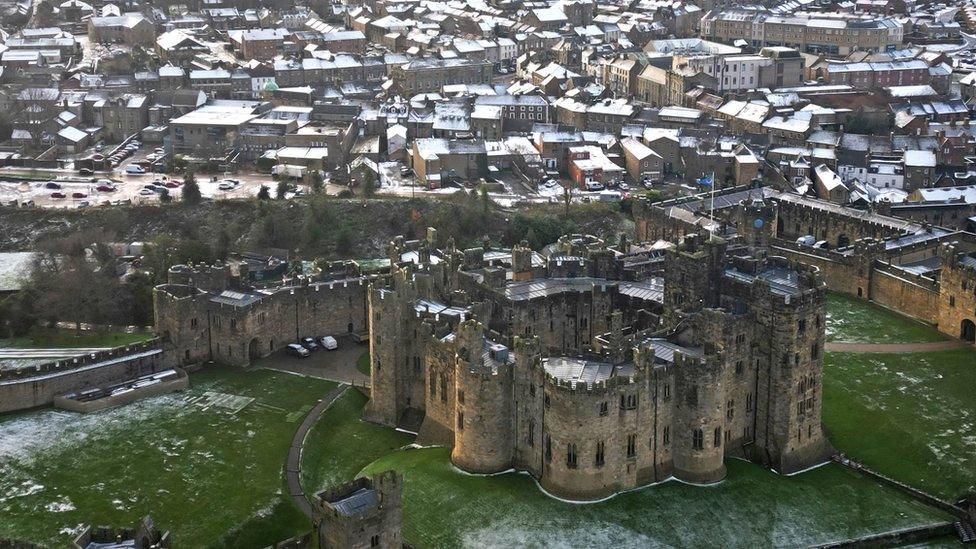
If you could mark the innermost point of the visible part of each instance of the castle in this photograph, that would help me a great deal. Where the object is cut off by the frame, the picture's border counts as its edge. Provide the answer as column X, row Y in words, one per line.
column 594, row 368
column 594, row 384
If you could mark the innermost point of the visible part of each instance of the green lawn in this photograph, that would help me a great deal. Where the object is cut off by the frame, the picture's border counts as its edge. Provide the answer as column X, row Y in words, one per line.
column 855, row 320
column 910, row 416
column 210, row 471
column 363, row 363
column 341, row 444
column 753, row 507
column 40, row 337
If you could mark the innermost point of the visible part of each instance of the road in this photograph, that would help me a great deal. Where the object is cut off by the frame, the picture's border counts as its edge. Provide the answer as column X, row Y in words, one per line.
column 843, row 347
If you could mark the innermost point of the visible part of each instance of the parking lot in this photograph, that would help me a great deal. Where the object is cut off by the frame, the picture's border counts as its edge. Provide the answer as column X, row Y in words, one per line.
column 338, row 365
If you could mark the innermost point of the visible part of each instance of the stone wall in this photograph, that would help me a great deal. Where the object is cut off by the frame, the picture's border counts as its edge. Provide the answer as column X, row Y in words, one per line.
column 910, row 294
column 22, row 389
column 957, row 293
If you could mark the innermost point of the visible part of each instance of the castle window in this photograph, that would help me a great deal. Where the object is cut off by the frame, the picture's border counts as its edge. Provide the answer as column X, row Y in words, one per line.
column 738, row 368
column 809, row 430
column 571, row 455
column 193, row 323
column 604, row 408
column 532, row 390
column 692, row 399
column 460, row 421
column 233, row 324
column 667, row 391
column 697, row 439
column 814, row 351
column 796, row 359
column 818, row 322
column 374, row 541
column 631, row 445
column 717, row 442
column 416, row 364
column 599, row 454
column 443, row 388
column 730, row 410
column 531, row 435
column 461, row 397
column 749, row 402
column 583, row 322
column 546, row 401
column 667, row 435
column 433, row 384
column 740, row 339
column 548, row 448
column 378, row 365
column 952, row 301
column 801, row 326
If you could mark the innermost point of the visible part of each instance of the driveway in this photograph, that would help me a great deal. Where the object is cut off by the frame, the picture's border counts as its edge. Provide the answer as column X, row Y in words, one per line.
column 338, row 365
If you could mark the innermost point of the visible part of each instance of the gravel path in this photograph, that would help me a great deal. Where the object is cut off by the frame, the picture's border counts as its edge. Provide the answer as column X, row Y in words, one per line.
column 294, row 463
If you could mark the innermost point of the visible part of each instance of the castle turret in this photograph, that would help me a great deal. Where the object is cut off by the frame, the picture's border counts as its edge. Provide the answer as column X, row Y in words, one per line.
column 790, row 336
column 692, row 273
column 366, row 512
column 522, row 262
column 483, row 430
column 698, row 419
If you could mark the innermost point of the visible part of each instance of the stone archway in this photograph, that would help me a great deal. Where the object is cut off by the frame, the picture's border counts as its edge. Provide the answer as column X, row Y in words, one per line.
column 967, row 330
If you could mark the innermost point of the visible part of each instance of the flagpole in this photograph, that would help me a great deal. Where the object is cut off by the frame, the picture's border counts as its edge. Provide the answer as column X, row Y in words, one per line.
column 711, row 208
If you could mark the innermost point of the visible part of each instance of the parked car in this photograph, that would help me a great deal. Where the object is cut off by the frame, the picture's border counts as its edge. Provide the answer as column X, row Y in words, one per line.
column 329, row 343
column 147, row 192
column 134, row 169
column 52, row 185
column 58, row 195
column 85, row 171
column 171, row 184
column 309, row 343
column 225, row 186
column 79, row 195
column 106, row 188
column 297, row 350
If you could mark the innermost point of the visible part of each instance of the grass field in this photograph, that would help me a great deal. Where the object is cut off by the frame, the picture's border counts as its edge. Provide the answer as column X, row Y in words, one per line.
column 206, row 463
column 855, row 320
column 341, row 444
column 910, row 416
column 363, row 363
column 40, row 337
column 753, row 507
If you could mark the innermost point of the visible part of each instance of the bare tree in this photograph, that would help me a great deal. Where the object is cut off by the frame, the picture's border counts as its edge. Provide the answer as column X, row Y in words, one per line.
column 35, row 111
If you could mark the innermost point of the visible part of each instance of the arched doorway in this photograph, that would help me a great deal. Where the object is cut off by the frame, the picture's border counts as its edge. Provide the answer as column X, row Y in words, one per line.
column 967, row 331
column 253, row 350
column 349, row 327
column 843, row 241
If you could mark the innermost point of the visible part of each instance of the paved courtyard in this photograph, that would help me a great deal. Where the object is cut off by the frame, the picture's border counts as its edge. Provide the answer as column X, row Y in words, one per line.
column 338, row 365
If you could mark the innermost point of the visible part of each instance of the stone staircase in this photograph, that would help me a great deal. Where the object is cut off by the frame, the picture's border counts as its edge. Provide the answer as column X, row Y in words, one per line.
column 965, row 531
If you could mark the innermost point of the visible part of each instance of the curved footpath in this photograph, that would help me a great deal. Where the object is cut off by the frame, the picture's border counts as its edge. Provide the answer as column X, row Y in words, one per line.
column 294, row 462
column 846, row 347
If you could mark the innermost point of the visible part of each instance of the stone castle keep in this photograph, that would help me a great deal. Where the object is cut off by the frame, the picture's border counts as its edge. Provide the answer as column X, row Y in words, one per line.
column 594, row 384
column 595, row 369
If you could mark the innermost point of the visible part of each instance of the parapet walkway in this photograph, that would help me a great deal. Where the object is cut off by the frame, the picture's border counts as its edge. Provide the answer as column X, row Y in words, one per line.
column 845, row 347
column 294, row 463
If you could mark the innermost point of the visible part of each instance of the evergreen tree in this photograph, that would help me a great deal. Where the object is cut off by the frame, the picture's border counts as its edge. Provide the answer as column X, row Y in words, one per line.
column 191, row 190
column 264, row 193
column 317, row 184
column 281, row 190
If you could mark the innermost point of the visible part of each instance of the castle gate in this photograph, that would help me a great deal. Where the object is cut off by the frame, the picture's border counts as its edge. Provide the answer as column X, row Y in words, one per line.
column 967, row 331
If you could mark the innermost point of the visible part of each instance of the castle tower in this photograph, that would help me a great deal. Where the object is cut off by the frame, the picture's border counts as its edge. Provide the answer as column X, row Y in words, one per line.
column 364, row 513
column 790, row 336
column 757, row 223
column 692, row 274
column 396, row 367
column 698, row 419
column 181, row 320
column 483, row 429
column 522, row 262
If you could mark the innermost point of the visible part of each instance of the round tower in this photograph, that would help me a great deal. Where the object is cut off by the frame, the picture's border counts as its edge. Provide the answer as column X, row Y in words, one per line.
column 698, row 420
column 483, row 425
